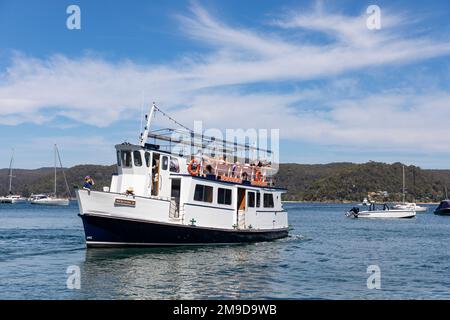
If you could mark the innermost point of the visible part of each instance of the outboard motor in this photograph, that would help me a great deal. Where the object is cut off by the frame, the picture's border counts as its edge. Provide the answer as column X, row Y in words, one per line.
column 353, row 212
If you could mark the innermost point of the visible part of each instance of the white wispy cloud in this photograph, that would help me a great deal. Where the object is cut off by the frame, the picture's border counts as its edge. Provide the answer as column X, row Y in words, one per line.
column 214, row 87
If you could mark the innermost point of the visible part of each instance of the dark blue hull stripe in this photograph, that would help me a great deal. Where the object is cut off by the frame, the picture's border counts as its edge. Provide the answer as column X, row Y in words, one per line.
column 112, row 231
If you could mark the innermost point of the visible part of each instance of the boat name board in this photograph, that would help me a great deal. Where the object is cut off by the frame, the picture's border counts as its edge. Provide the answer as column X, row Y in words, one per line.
column 124, row 202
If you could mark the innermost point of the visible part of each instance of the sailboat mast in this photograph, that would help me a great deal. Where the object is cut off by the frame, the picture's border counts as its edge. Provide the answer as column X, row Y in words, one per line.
column 11, row 172
column 403, row 184
column 62, row 170
column 55, row 169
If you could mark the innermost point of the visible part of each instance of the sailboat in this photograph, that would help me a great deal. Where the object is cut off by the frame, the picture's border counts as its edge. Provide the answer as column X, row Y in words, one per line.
column 12, row 198
column 44, row 199
column 408, row 205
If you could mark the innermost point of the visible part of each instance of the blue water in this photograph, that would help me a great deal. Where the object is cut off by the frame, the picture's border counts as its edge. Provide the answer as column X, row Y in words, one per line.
column 326, row 257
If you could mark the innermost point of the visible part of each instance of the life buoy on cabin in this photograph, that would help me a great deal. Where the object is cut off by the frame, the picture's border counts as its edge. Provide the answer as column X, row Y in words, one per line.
column 193, row 168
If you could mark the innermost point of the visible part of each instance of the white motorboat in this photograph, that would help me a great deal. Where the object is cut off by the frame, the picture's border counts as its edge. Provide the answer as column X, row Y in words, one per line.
column 52, row 200
column 12, row 198
column 410, row 206
column 384, row 213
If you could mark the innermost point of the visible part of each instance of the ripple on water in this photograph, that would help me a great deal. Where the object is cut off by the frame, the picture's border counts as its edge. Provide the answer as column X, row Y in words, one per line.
column 325, row 257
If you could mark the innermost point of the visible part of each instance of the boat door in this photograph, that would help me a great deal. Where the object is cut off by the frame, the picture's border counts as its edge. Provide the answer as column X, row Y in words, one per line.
column 175, row 198
column 241, row 204
column 250, row 211
column 164, row 181
column 155, row 174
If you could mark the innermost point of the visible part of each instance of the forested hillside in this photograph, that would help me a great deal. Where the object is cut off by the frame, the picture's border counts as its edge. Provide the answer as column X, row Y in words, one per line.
column 327, row 182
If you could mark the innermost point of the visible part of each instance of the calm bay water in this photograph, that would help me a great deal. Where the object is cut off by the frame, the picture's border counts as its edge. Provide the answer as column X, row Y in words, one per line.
column 326, row 257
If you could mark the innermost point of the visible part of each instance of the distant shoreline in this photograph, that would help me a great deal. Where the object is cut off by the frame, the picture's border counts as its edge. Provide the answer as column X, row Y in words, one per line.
column 349, row 202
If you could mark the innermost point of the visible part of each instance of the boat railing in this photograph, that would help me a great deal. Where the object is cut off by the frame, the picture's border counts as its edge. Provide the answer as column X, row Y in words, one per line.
column 237, row 173
column 189, row 144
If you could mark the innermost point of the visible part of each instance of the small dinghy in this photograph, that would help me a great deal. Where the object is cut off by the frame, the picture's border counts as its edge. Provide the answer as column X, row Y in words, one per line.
column 384, row 213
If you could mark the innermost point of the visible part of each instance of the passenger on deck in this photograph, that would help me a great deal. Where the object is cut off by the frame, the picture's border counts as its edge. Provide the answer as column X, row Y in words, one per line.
column 209, row 172
column 130, row 191
column 233, row 169
column 88, row 182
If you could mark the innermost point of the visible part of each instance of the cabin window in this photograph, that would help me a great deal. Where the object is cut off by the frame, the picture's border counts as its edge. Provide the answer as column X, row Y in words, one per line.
column 137, row 159
column 224, row 196
column 118, row 158
column 251, row 200
column 165, row 162
column 147, row 159
column 258, row 199
column 126, row 158
column 268, row 200
column 174, row 165
column 203, row 193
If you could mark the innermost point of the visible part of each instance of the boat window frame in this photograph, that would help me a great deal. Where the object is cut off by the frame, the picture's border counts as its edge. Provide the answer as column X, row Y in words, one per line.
column 176, row 167
column 165, row 163
column 119, row 164
column 147, row 158
column 258, row 199
column 226, row 192
column 251, row 199
column 204, row 195
column 123, row 159
column 139, row 158
column 267, row 203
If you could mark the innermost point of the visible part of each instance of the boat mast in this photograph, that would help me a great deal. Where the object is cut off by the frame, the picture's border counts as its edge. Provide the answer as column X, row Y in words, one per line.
column 403, row 183
column 11, row 172
column 55, row 169
column 62, row 170
column 149, row 116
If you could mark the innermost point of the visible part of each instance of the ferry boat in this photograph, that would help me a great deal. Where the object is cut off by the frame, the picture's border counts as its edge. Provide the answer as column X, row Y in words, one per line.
column 167, row 197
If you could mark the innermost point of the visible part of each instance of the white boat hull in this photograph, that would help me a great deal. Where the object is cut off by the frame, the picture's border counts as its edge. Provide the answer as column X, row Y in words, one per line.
column 12, row 200
column 410, row 206
column 51, row 202
column 112, row 219
column 387, row 214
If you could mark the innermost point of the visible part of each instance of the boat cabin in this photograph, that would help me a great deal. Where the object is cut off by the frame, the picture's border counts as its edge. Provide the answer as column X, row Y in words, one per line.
column 206, row 186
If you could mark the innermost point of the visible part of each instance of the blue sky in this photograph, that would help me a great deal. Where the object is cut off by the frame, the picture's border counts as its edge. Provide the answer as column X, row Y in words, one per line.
column 336, row 90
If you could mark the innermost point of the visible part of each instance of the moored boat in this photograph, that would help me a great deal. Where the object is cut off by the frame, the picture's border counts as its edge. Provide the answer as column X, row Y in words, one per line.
column 53, row 199
column 407, row 205
column 162, row 196
column 13, row 198
column 10, row 197
column 443, row 209
column 384, row 213
column 410, row 206
column 48, row 200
